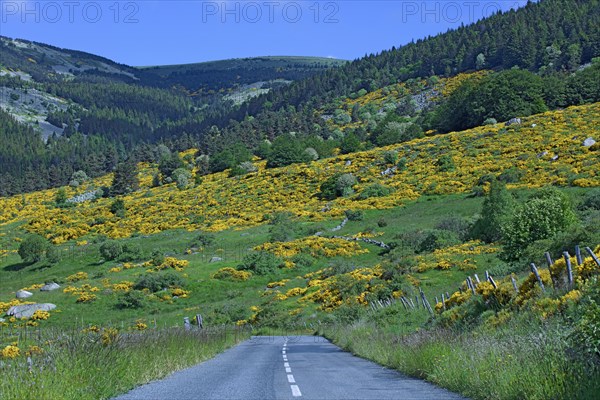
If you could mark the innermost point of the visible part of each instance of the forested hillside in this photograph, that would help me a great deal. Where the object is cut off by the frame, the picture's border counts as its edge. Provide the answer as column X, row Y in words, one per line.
column 456, row 80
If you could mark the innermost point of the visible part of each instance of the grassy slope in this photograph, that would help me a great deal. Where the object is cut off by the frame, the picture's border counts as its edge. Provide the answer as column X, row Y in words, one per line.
column 234, row 208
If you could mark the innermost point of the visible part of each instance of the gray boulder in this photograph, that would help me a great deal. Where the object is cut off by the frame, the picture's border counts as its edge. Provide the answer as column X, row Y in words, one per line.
column 23, row 294
column 589, row 142
column 216, row 259
column 27, row 310
column 48, row 287
column 514, row 121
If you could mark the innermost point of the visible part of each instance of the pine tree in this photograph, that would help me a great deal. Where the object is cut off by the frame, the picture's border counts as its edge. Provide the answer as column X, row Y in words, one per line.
column 125, row 179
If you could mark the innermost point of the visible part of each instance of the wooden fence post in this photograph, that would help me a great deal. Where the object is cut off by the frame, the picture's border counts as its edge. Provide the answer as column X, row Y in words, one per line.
column 186, row 323
column 567, row 258
column 548, row 259
column 426, row 303
column 514, row 283
column 493, row 282
column 470, row 284
column 199, row 321
column 443, row 301
column 591, row 253
column 578, row 255
column 538, row 277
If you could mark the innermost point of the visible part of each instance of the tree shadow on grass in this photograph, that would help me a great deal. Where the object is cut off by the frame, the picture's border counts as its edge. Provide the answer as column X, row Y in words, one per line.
column 17, row 267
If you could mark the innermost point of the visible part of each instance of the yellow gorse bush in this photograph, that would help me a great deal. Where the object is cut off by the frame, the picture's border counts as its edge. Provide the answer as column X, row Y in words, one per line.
column 316, row 246
column 10, row 352
column 40, row 315
column 79, row 276
column 232, row 274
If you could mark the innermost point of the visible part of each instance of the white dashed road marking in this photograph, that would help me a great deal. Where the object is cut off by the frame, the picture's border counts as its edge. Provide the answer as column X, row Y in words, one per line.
column 288, row 370
column 296, row 391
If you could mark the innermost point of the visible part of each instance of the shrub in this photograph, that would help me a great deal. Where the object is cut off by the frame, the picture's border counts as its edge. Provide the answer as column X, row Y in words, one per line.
column 390, row 157
column 495, row 211
column 260, row 263
column 375, row 190
column 282, row 227
column 52, row 254
column 591, row 200
column 458, row 225
column 285, row 150
column 182, row 177
column 303, row 260
column 354, row 215
column 381, row 222
column 445, row 163
column 337, row 185
column 118, row 208
column 131, row 252
column 350, row 144
column 170, row 163
column 60, row 199
column 111, row 250
column 542, row 216
column 131, row 300
column 402, row 162
column 231, row 274
column 205, row 239
column 157, row 282
column 344, row 185
column 157, row 258
column 33, row 248
column 311, row 154
column 511, row 175
column 437, row 239
column 78, row 178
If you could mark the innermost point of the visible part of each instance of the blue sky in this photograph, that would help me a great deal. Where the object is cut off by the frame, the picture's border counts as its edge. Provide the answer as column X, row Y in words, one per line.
column 153, row 32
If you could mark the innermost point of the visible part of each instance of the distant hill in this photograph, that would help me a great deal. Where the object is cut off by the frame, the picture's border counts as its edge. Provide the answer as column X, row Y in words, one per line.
column 215, row 75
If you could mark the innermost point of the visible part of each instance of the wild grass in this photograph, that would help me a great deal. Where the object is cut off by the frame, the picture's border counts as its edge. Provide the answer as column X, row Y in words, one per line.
column 77, row 365
column 525, row 360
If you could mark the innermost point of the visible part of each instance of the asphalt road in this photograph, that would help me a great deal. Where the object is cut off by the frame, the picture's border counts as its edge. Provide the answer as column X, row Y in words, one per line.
column 298, row 367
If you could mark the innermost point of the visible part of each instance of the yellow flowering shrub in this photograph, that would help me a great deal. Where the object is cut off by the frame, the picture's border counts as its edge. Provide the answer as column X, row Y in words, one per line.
column 172, row 262
column 40, row 315
column 33, row 287
column 10, row 352
column 278, row 283
column 297, row 291
column 229, row 273
column 124, row 286
column 34, row 351
column 180, row 292
column 531, row 288
column 86, row 298
column 140, row 325
column 79, row 276
column 443, row 265
column 4, row 306
column 109, row 336
column 316, row 246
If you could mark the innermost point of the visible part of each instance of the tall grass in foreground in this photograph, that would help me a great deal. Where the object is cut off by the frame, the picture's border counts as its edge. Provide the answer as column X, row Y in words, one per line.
column 522, row 361
column 75, row 365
